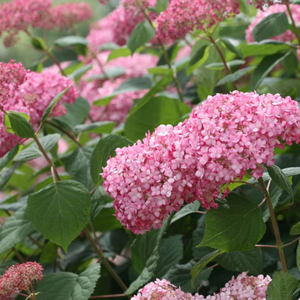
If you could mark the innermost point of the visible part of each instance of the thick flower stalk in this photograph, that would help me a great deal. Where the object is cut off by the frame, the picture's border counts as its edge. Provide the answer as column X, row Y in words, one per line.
column 288, row 35
column 221, row 140
column 243, row 287
column 19, row 278
column 183, row 16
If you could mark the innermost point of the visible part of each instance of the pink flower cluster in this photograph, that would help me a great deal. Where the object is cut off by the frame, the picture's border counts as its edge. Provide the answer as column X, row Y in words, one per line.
column 222, row 139
column 183, row 16
column 19, row 15
column 243, row 287
column 118, row 25
column 66, row 15
column 18, row 278
column 11, row 76
column 277, row 8
column 119, row 107
column 30, row 93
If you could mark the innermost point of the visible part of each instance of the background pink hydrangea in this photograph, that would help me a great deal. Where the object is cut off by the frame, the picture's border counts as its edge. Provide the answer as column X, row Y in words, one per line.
column 183, row 16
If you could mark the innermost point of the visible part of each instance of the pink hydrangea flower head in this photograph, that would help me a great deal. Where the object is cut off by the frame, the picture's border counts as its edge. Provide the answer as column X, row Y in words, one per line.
column 243, row 287
column 11, row 76
column 66, row 15
column 39, row 90
column 100, row 33
column 277, row 8
column 18, row 15
column 19, row 277
column 221, row 140
column 183, row 16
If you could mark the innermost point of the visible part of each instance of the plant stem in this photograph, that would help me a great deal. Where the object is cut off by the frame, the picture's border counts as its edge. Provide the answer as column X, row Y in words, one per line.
column 72, row 137
column 51, row 164
column 275, row 226
column 287, row 4
column 108, row 296
column 165, row 54
column 55, row 60
column 222, row 58
column 99, row 251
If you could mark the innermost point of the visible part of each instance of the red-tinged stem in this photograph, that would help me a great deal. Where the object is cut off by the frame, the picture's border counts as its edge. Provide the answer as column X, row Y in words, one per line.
column 287, row 4
column 108, row 296
column 279, row 244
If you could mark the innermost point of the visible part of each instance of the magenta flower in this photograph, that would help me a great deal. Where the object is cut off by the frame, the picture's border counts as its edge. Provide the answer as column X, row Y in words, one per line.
column 223, row 138
column 18, row 278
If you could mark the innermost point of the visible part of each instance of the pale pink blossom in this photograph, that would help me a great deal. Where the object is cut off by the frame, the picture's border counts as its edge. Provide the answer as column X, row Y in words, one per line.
column 243, row 287
column 223, row 138
column 183, row 16
column 19, row 277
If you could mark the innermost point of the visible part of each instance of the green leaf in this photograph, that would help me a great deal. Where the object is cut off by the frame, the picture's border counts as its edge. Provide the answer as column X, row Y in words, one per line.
column 70, row 41
column 280, row 179
column 282, row 286
column 235, row 76
column 69, row 286
column 161, row 5
column 133, row 84
column 151, row 263
column 203, row 263
column 52, row 104
column 231, row 47
column 38, row 43
column 78, row 73
column 33, row 151
column 120, row 52
column 99, row 201
column 103, row 101
column 6, row 174
column 18, row 123
column 150, row 113
column 49, row 253
column 271, row 26
column 60, row 211
column 237, row 225
column 263, row 49
column 186, row 210
column 105, row 149
column 78, row 165
column 76, row 114
column 141, row 34
column 295, row 229
column 198, row 59
column 237, row 261
column 171, row 252
column 7, row 158
column 264, row 68
column 14, row 230
column 97, row 127
column 109, row 72
column 180, row 275
column 220, row 65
